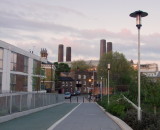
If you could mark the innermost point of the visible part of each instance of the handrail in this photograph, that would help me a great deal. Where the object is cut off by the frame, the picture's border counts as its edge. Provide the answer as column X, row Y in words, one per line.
column 136, row 107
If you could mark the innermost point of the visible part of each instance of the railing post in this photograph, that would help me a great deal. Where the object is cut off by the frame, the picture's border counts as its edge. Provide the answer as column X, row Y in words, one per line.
column 10, row 107
column 70, row 100
column 34, row 100
column 20, row 104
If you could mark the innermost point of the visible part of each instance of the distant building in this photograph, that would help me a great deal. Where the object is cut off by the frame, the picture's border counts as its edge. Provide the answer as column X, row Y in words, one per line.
column 82, row 81
column 150, row 70
column 146, row 68
column 19, row 69
column 48, row 70
column 66, row 84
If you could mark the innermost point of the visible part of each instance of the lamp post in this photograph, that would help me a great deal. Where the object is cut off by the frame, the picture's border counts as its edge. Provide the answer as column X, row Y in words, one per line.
column 94, row 70
column 138, row 14
column 108, row 81
column 101, row 85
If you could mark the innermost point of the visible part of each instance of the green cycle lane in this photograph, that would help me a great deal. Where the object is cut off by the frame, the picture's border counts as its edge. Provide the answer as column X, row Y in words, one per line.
column 41, row 120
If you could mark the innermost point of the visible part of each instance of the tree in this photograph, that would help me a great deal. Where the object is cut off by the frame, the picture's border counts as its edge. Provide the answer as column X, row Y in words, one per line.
column 150, row 92
column 79, row 65
column 120, row 71
column 60, row 67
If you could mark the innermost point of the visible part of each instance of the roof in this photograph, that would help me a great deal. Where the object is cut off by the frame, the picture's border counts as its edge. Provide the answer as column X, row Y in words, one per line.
column 13, row 48
column 66, row 79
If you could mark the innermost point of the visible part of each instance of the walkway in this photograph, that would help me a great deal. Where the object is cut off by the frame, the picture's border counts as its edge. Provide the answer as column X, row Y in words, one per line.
column 41, row 120
column 88, row 116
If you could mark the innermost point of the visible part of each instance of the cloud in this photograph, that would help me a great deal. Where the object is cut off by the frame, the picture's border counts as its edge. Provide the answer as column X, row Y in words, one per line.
column 45, row 25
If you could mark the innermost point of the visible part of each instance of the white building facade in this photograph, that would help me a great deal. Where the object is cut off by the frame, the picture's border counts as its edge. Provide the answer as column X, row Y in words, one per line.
column 18, row 69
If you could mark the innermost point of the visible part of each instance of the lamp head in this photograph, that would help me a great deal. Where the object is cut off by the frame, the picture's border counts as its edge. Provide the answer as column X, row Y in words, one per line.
column 109, row 66
column 138, row 15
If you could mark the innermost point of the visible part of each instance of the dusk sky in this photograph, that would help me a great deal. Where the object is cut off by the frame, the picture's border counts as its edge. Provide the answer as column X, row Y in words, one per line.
column 81, row 24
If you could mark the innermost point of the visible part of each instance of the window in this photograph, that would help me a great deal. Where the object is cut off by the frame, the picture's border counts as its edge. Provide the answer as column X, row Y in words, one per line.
column 63, row 83
column 84, row 83
column 36, row 67
column 25, row 84
column 77, row 82
column 70, row 83
column 35, row 83
column 92, row 77
column 79, row 76
column 84, row 76
column 66, row 83
column 25, row 64
column 1, row 58
column 13, row 83
column 0, row 82
column 13, row 61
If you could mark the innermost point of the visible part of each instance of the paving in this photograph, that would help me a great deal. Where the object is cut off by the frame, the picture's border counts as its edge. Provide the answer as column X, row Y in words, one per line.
column 41, row 120
column 87, row 116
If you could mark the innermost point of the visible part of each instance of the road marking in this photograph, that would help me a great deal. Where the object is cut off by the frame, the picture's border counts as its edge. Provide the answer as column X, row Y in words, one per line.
column 60, row 120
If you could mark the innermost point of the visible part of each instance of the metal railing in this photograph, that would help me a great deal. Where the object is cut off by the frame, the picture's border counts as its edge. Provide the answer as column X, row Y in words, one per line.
column 17, row 102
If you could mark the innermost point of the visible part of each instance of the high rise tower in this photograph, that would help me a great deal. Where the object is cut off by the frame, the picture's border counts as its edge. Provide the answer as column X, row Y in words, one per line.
column 60, row 53
column 109, row 47
column 102, row 47
column 68, row 54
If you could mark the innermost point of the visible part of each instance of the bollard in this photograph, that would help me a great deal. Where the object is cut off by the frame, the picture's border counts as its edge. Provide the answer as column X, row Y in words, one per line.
column 70, row 100
column 83, row 99
column 77, row 99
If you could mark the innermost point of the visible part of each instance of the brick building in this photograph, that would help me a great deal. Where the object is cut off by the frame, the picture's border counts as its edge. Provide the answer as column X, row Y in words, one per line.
column 48, row 70
column 83, row 81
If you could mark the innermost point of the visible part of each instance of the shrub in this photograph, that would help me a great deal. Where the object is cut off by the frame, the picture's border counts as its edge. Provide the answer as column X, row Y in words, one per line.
column 148, row 122
column 116, row 109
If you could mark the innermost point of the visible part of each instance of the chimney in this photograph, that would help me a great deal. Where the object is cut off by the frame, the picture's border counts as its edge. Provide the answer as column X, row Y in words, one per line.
column 68, row 54
column 102, row 47
column 109, row 47
column 43, row 53
column 60, row 53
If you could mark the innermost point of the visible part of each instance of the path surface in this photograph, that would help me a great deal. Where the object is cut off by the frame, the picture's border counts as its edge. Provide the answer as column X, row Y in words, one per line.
column 41, row 120
column 88, row 116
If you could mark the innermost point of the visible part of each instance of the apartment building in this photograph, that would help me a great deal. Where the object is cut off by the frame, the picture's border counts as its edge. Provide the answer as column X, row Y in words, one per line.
column 19, row 69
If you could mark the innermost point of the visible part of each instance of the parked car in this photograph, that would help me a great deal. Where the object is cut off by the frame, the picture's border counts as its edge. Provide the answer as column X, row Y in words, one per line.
column 67, row 95
column 78, row 92
column 74, row 93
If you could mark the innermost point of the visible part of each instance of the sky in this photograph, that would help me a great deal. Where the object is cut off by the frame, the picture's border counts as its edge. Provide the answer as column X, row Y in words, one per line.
column 81, row 24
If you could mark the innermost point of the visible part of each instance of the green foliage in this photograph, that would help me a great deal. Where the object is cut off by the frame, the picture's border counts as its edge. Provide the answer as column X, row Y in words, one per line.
column 60, row 67
column 150, row 92
column 148, row 122
column 116, row 106
column 126, row 112
column 79, row 65
column 120, row 69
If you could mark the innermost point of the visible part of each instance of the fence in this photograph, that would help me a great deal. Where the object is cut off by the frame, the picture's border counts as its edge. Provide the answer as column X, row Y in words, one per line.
column 17, row 102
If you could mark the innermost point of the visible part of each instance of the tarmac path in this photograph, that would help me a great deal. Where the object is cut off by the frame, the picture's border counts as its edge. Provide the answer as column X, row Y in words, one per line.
column 41, row 120
column 88, row 116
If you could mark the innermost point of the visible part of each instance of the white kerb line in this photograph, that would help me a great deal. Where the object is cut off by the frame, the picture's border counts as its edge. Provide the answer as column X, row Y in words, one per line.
column 60, row 120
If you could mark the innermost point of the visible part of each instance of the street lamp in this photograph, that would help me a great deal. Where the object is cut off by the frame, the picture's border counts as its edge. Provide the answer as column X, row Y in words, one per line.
column 138, row 14
column 94, row 70
column 101, row 87
column 108, row 81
